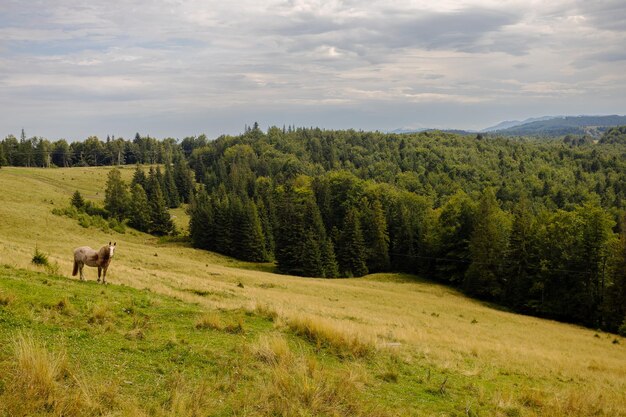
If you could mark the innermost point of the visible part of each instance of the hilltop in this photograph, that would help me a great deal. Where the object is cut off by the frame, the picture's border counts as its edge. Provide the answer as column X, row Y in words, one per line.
column 237, row 338
column 593, row 126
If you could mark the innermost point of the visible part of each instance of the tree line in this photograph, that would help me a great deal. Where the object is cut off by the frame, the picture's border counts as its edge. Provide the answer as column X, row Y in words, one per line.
column 537, row 226
column 41, row 152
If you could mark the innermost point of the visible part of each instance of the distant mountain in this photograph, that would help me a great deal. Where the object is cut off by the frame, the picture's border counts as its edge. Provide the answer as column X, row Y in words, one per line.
column 593, row 126
column 456, row 131
column 512, row 123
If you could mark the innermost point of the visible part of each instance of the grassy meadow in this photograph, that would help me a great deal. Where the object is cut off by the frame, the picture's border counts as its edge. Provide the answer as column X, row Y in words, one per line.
column 181, row 331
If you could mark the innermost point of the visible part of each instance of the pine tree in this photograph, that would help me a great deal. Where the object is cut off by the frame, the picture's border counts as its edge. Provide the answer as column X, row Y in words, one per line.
column 3, row 159
column 329, row 262
column 116, row 200
column 77, row 200
column 352, row 255
column 377, row 238
column 183, row 177
column 488, row 246
column 255, row 242
column 139, row 213
column 202, row 221
column 223, row 222
column 454, row 225
column 518, row 270
column 290, row 234
column 151, row 183
column 160, row 220
column 267, row 226
column 173, row 199
column 311, row 256
column 139, row 177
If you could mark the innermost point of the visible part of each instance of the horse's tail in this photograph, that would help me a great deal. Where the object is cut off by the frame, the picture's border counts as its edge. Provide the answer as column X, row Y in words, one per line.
column 75, row 271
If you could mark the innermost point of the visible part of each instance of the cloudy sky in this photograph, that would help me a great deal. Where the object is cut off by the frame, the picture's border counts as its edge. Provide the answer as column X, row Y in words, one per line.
column 74, row 68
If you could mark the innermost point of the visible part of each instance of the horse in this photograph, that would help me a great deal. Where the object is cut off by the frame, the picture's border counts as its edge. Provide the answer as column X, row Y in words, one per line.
column 87, row 256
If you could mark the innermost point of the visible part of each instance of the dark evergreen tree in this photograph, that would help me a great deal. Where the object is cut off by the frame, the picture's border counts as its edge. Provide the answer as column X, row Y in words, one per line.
column 139, row 212
column 329, row 261
column 454, row 229
column 376, row 238
column 352, row 256
column 202, row 221
column 488, row 246
column 520, row 264
column 116, row 200
column 160, row 220
column 139, row 177
column 183, row 177
column 171, row 191
column 3, row 158
column 77, row 200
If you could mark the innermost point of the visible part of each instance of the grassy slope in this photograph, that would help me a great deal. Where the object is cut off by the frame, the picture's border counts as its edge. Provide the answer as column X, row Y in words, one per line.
column 493, row 362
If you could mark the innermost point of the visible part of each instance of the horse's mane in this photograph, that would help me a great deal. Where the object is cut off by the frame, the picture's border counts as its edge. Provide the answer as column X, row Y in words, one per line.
column 104, row 253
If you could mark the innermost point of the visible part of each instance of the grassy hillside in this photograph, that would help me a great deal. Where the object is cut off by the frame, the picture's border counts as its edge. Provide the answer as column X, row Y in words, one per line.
column 180, row 328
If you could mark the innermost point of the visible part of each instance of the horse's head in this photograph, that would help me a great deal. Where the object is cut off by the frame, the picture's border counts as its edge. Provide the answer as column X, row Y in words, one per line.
column 112, row 249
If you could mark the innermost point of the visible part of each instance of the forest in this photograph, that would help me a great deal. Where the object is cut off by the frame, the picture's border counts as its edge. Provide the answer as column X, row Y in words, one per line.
column 537, row 226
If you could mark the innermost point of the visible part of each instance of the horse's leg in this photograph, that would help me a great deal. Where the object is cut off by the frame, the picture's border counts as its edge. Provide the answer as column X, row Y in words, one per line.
column 99, row 272
column 104, row 274
column 80, row 268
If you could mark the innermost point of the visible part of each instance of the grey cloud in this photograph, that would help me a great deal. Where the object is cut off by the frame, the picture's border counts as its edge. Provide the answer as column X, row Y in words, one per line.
column 605, row 14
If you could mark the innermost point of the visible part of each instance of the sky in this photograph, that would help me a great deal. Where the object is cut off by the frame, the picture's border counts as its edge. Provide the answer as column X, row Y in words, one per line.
column 75, row 68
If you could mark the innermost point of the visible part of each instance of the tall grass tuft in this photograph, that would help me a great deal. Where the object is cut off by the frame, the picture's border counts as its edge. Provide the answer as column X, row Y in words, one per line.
column 41, row 383
column 326, row 334
column 300, row 386
column 272, row 349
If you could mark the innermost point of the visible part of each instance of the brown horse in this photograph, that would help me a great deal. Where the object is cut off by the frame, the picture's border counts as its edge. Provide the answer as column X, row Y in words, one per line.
column 87, row 256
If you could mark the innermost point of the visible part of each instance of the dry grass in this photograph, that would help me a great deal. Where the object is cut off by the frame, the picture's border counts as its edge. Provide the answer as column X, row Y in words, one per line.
column 300, row 386
column 100, row 314
column 41, row 383
column 6, row 299
column 214, row 321
column 432, row 323
column 323, row 333
column 272, row 349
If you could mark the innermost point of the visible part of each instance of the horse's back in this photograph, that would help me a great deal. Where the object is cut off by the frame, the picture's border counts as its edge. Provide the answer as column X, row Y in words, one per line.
column 85, row 254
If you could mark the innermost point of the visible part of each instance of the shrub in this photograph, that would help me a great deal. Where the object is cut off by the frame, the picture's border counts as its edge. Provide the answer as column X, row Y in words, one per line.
column 39, row 258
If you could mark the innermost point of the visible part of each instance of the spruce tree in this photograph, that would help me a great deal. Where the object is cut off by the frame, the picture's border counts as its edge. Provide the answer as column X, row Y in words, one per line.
column 377, row 240
column 160, row 220
column 77, row 200
column 151, row 183
column 352, row 255
column 518, row 268
column 139, row 213
column 488, row 246
column 116, row 200
column 311, row 256
column 3, row 158
column 183, row 177
column 290, row 233
column 223, row 222
column 202, row 221
column 173, row 199
column 139, row 177
column 329, row 262
column 255, row 242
